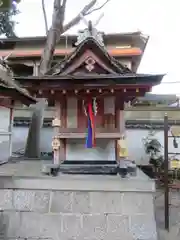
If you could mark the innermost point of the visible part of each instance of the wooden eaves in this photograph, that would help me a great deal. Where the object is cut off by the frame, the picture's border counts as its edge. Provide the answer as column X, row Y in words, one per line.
column 9, row 88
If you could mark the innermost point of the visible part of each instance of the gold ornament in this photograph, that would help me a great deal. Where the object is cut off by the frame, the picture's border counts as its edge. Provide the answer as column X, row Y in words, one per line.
column 175, row 164
column 122, row 147
column 175, row 131
column 56, row 144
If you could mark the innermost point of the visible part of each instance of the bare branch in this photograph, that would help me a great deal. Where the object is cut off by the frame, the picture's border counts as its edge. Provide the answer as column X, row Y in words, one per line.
column 77, row 19
column 96, row 9
column 62, row 14
column 84, row 12
column 45, row 16
column 64, row 3
column 58, row 28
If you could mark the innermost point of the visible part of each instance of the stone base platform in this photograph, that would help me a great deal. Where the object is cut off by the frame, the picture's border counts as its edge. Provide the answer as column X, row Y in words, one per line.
column 70, row 207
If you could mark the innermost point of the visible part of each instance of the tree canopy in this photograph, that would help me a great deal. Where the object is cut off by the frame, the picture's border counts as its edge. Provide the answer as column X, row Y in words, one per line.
column 7, row 22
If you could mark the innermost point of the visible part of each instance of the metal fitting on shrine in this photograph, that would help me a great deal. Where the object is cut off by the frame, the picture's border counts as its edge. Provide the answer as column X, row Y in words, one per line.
column 175, row 131
column 56, row 122
column 56, row 143
column 122, row 147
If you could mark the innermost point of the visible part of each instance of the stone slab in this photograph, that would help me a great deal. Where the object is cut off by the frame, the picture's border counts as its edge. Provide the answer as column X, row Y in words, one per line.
column 78, row 183
column 61, row 202
column 72, row 207
column 29, row 200
column 6, row 199
column 79, row 215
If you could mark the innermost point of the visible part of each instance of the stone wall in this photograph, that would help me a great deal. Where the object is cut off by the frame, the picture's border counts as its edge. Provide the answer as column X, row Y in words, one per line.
column 78, row 214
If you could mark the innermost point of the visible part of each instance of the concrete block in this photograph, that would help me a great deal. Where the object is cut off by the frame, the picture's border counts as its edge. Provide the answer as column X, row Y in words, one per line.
column 137, row 203
column 81, row 202
column 143, row 227
column 6, row 200
column 118, row 227
column 71, row 226
column 36, row 225
column 61, row 202
column 14, row 223
column 35, row 201
column 3, row 226
column 9, row 224
column 94, row 226
column 106, row 202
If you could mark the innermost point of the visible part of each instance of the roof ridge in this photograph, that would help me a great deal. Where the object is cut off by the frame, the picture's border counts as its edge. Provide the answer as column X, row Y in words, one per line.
column 120, row 67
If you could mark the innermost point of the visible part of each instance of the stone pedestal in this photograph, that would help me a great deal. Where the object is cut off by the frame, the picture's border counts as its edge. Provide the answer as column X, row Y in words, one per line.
column 78, row 207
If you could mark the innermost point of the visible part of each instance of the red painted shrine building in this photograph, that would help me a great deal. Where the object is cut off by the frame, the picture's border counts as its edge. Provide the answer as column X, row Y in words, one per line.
column 10, row 91
column 89, row 75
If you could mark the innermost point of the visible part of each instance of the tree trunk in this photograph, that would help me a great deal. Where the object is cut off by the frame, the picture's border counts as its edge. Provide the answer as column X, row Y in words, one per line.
column 33, row 141
column 54, row 32
column 32, row 149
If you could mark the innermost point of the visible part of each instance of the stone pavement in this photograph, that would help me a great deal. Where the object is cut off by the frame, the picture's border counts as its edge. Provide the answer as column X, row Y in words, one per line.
column 174, row 232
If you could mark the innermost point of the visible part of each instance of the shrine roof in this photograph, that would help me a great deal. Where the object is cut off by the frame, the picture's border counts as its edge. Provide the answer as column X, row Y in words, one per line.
column 90, row 63
column 91, row 60
column 127, row 79
column 10, row 88
column 91, row 44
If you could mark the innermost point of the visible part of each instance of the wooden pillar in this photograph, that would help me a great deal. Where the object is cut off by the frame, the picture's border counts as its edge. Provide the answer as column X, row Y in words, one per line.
column 120, row 124
column 10, row 128
column 58, row 123
column 119, row 113
column 35, row 69
column 63, row 117
column 122, row 127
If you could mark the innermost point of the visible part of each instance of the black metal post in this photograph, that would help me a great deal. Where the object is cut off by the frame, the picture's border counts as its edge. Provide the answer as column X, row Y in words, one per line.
column 166, row 167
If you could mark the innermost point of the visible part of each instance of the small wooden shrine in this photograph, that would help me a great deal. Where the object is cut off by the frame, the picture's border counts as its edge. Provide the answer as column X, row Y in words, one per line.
column 10, row 91
column 90, row 89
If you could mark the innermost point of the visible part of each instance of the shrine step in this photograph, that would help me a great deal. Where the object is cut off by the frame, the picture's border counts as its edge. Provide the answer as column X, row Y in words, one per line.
column 93, row 169
column 96, row 169
column 89, row 162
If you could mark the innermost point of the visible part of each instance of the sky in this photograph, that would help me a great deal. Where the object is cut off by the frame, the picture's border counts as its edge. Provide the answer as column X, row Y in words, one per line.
column 156, row 18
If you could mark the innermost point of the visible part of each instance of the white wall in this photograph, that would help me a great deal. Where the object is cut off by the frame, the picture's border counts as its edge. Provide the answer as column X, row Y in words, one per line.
column 4, row 125
column 4, row 122
column 76, row 150
column 104, row 150
column 136, row 148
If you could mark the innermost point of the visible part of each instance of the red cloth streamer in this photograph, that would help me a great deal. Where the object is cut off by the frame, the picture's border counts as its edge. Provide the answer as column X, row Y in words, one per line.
column 90, row 140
